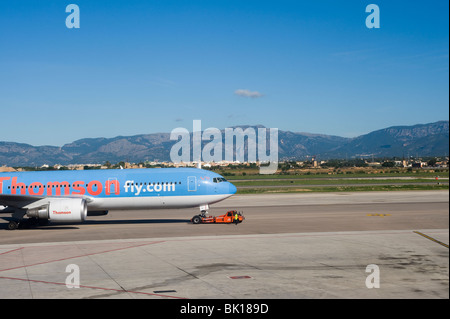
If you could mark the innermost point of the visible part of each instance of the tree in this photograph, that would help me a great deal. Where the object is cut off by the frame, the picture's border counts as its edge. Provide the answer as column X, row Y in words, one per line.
column 388, row 164
column 432, row 162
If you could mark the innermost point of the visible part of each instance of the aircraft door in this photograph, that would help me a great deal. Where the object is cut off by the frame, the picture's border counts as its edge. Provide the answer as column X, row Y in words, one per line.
column 192, row 184
column 112, row 186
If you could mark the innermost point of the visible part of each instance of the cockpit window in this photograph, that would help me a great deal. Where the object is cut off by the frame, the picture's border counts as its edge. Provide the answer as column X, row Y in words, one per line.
column 219, row 179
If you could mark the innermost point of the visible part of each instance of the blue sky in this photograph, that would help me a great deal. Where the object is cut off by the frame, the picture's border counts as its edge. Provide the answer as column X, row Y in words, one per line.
column 137, row 67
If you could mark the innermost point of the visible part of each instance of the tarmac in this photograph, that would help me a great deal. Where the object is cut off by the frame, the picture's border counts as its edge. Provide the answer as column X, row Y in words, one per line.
column 372, row 245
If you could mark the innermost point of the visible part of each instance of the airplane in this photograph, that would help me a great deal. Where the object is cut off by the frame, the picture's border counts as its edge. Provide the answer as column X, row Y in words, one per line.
column 71, row 196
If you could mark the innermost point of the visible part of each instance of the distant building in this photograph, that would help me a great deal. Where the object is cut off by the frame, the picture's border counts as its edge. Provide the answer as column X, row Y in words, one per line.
column 374, row 164
column 419, row 164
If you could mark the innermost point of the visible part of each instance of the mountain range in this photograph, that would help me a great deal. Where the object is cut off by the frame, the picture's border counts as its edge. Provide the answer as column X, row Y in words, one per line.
column 401, row 141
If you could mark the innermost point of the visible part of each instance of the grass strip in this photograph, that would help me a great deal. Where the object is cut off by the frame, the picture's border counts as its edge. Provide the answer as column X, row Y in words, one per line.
column 341, row 189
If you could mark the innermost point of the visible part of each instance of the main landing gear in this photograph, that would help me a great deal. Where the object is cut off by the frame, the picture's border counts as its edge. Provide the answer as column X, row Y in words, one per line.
column 26, row 223
column 17, row 219
column 13, row 225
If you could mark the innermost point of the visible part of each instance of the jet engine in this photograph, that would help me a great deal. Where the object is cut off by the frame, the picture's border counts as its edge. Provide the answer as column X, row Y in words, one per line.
column 61, row 210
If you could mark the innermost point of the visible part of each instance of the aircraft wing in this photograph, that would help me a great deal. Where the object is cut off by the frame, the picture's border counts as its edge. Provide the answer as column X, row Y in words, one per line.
column 18, row 201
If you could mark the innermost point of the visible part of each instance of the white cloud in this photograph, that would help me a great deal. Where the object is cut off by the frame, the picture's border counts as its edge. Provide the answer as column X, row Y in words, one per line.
column 248, row 93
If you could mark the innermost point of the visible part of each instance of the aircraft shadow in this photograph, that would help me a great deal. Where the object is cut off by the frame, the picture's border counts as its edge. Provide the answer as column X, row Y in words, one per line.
column 136, row 221
column 98, row 222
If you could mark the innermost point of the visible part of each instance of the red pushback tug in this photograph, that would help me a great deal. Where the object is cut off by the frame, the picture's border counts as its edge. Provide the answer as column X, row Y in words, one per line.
column 227, row 218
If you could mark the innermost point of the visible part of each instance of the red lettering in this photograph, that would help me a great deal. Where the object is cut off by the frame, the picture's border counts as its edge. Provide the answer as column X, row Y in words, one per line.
column 93, row 188
column 58, row 186
column 36, row 186
column 15, row 186
column 78, row 189
column 93, row 184
column 1, row 183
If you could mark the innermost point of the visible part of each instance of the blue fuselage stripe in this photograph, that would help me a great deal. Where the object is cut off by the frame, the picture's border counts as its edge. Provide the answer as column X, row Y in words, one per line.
column 115, row 183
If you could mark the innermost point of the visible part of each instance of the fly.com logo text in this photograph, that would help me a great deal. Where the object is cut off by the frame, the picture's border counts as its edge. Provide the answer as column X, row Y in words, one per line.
column 230, row 145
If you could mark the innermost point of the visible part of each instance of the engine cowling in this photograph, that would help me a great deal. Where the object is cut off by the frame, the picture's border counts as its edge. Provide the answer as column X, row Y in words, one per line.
column 62, row 210
column 97, row 212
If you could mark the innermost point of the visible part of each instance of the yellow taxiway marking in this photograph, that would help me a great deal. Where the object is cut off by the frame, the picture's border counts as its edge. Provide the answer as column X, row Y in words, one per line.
column 431, row 238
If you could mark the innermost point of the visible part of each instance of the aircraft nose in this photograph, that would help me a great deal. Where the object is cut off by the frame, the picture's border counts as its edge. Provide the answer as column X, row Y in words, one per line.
column 233, row 189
